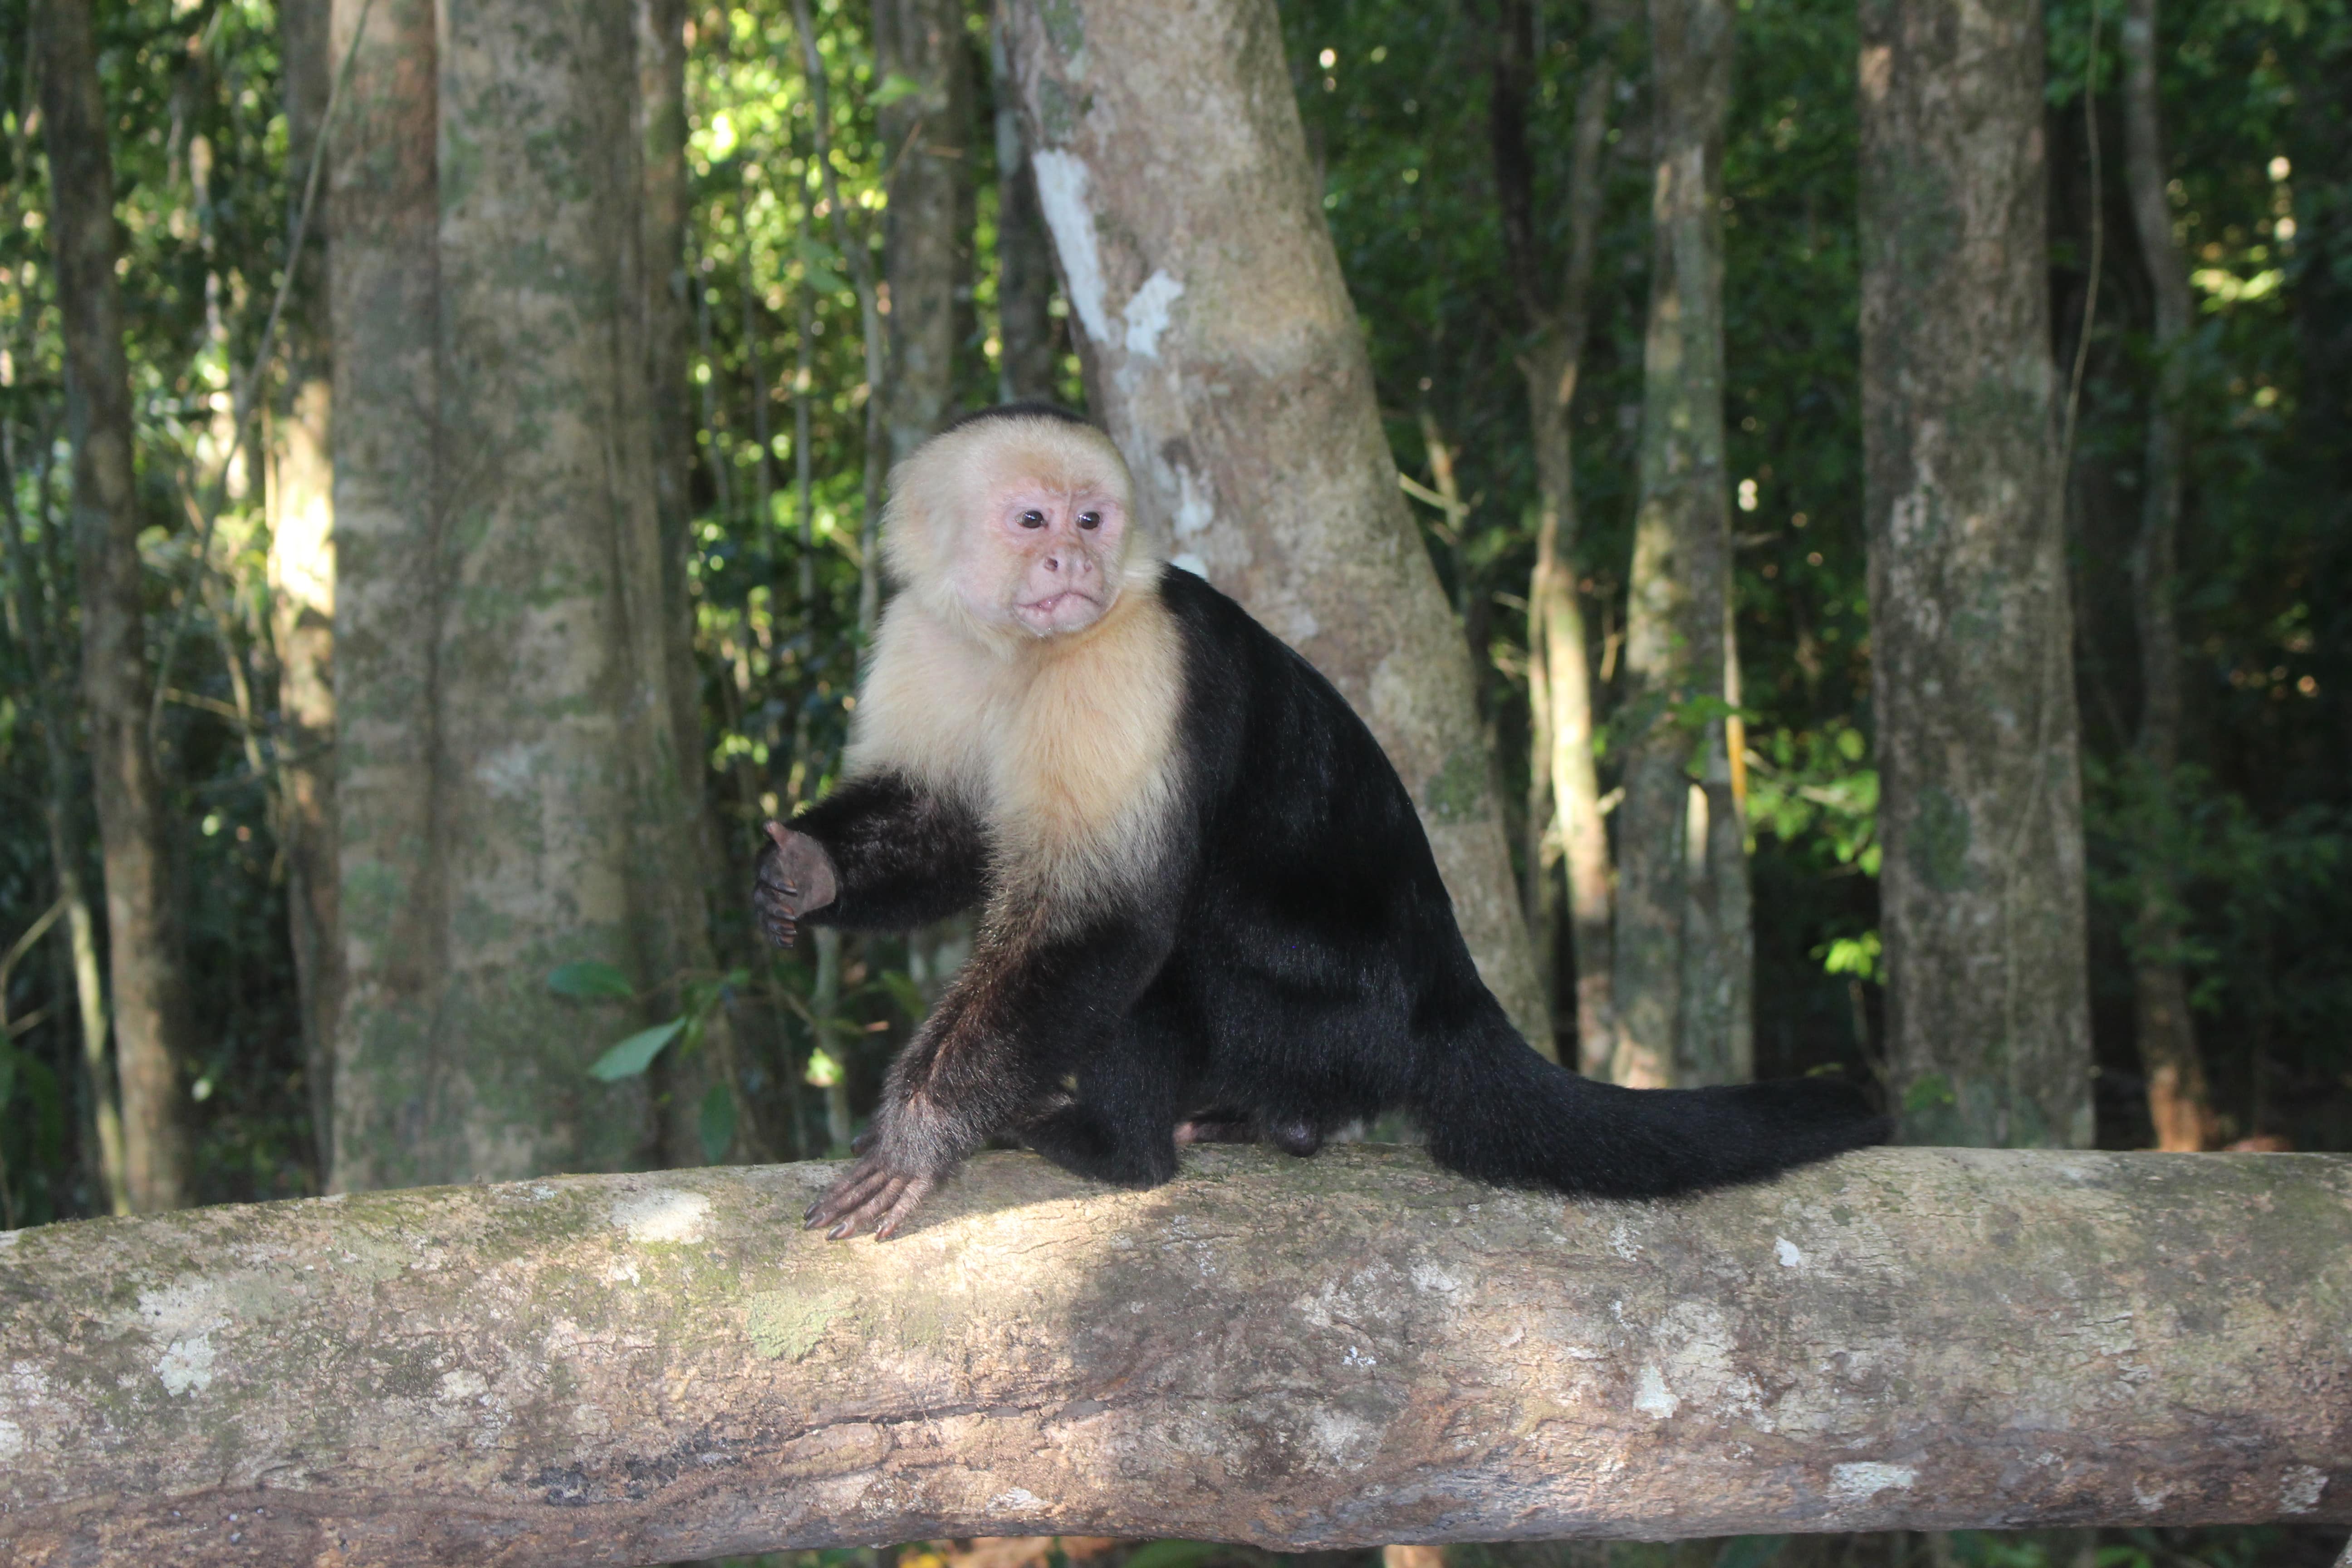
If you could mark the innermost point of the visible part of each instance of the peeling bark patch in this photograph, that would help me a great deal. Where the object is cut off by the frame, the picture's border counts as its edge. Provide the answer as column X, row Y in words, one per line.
column 786, row 1325
column 1786, row 1251
column 663, row 1214
column 1861, row 1482
column 12, row 1439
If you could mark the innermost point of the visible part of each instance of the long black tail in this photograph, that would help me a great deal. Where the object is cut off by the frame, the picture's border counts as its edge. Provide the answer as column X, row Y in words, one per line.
column 1495, row 1110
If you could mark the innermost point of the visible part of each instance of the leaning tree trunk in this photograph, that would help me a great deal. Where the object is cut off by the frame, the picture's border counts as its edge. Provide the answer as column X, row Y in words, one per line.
column 508, row 772
column 302, row 576
column 1971, row 662
column 1221, row 350
column 145, row 961
column 2178, row 1101
column 640, row 1369
column 1683, row 944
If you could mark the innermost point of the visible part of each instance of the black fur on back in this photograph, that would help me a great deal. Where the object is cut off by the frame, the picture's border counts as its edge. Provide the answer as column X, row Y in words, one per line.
column 1320, row 977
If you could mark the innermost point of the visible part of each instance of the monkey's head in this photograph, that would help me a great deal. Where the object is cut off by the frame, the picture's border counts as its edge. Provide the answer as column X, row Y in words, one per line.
column 1015, row 522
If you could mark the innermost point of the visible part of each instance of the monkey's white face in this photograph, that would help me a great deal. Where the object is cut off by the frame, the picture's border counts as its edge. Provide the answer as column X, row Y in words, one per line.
column 1046, row 558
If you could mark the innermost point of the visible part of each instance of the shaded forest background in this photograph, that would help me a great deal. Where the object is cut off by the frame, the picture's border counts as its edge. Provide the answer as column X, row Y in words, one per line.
column 784, row 287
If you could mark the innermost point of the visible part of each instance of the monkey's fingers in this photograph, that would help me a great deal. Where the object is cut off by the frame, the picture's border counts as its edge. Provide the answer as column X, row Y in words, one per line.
column 912, row 1192
column 858, row 1183
column 1216, row 1130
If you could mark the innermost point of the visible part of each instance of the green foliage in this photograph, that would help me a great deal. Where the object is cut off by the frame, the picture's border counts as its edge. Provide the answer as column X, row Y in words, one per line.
column 635, row 1054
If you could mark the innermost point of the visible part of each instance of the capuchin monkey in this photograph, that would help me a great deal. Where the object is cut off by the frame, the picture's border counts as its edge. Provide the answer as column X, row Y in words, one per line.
column 1208, row 912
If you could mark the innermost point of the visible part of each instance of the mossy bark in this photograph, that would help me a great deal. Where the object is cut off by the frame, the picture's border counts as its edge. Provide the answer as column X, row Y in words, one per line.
column 1972, row 683
column 508, row 772
column 1357, row 1349
column 1223, row 351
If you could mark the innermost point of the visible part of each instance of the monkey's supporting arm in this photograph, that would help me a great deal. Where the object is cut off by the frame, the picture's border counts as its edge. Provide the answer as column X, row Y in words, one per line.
column 651, row 1367
column 1026, row 1008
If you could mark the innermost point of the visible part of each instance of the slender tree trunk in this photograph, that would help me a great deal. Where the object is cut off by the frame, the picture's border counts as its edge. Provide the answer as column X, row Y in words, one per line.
column 1223, row 351
column 1564, row 819
column 661, row 133
column 926, row 135
column 510, row 783
column 302, row 579
column 1024, row 255
column 150, row 986
column 1972, row 659
column 61, row 814
column 1682, row 936
column 2178, row 1101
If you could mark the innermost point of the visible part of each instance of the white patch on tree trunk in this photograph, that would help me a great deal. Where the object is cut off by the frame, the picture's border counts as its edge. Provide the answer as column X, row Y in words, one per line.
column 1786, row 1251
column 1861, row 1482
column 1146, row 314
column 665, row 1214
column 1653, row 1397
column 2300, row 1487
column 1062, row 180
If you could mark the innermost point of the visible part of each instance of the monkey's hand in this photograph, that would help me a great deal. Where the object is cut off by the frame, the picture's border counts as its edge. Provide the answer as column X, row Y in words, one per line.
column 795, row 876
column 875, row 1190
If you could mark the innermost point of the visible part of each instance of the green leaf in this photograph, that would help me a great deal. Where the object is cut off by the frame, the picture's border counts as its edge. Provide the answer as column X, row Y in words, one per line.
column 904, row 991
column 894, row 87
column 717, row 1124
column 589, row 980
column 636, row 1053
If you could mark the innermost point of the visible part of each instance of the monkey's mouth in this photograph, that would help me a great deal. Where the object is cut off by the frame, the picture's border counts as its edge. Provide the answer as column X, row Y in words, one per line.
column 1070, row 605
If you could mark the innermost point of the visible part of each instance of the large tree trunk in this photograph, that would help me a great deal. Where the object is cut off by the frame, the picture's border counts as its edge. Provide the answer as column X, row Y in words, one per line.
column 2178, row 1101
column 144, row 941
column 1221, row 350
column 1024, row 255
column 1683, row 945
column 1972, row 667
column 1564, row 789
column 302, row 577
column 1362, row 1350
column 510, row 780
column 927, row 135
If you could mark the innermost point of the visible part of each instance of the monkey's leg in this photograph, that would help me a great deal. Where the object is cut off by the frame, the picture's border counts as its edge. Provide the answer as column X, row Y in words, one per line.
column 1026, row 1008
column 1121, row 1129
column 880, row 853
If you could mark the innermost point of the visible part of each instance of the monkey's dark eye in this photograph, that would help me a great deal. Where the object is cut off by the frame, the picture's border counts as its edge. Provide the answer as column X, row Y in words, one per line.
column 1033, row 520
column 1089, row 519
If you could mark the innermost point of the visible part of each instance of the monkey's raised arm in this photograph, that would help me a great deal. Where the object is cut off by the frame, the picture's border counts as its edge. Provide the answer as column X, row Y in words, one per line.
column 880, row 853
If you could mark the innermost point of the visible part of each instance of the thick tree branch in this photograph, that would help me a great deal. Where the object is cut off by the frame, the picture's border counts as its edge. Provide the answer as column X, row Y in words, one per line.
column 1352, row 1349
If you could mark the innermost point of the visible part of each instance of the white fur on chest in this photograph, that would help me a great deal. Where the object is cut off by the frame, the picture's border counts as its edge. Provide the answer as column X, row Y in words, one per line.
column 1065, row 746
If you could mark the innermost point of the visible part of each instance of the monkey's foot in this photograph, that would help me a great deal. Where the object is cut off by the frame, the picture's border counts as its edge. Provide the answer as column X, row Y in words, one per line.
column 1217, row 1129
column 1298, row 1138
column 869, row 1193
